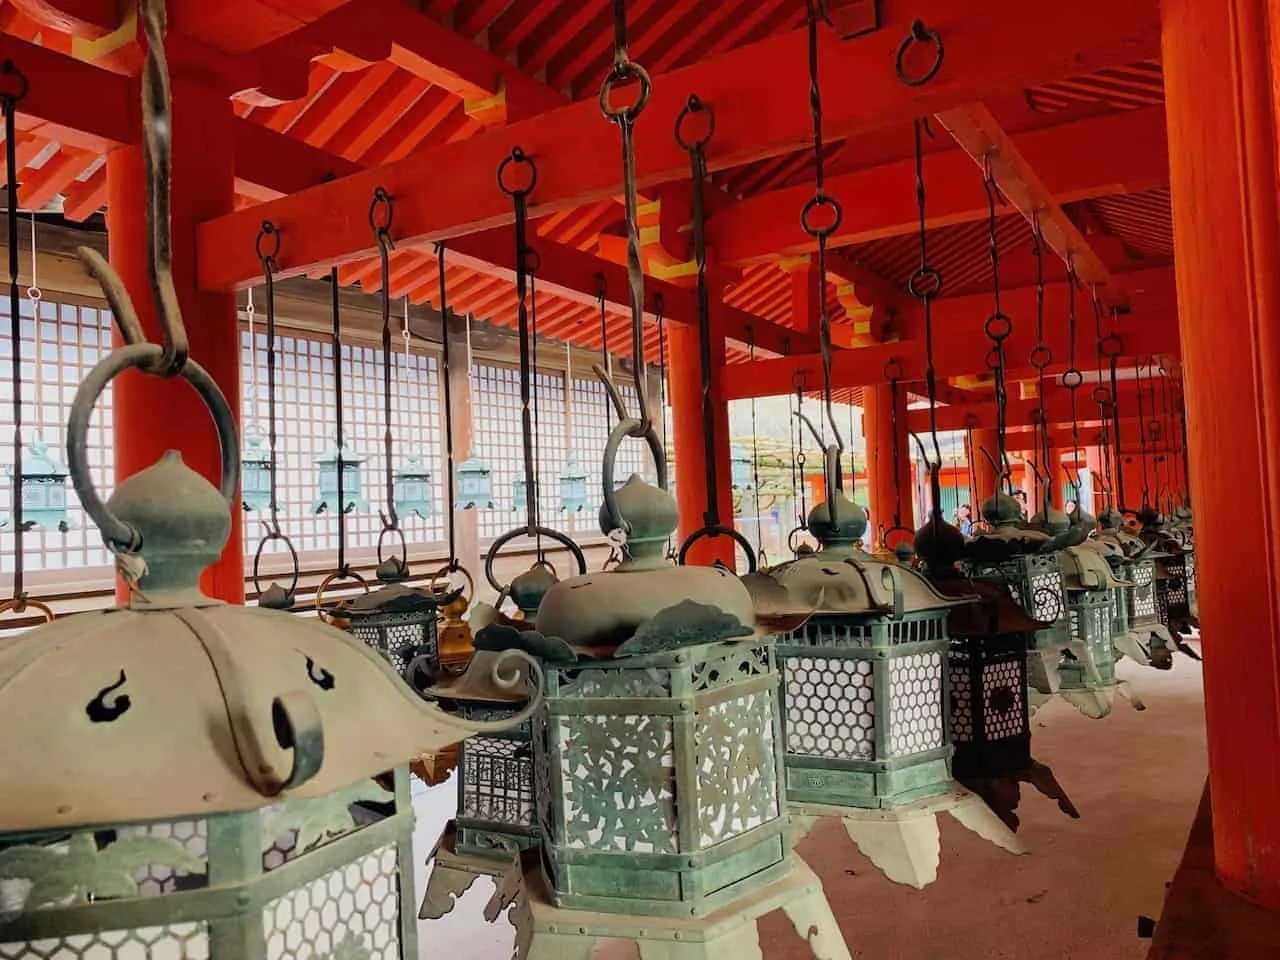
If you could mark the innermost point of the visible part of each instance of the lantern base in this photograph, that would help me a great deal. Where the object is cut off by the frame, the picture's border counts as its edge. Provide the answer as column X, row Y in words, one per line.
column 453, row 873
column 903, row 842
column 433, row 769
column 1003, row 794
column 547, row 932
column 1095, row 702
column 1149, row 646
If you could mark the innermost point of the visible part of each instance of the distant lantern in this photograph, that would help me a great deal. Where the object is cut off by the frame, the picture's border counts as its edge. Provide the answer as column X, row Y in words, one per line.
column 1147, row 641
column 1088, row 667
column 398, row 622
column 573, row 487
column 44, row 490
column 255, row 472
column 329, row 463
column 740, row 467
column 475, row 485
column 519, row 493
column 413, row 489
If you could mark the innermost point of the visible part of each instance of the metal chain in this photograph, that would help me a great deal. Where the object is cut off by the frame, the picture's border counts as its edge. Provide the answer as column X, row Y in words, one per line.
column 1041, row 357
column 606, row 358
column 893, row 373
column 381, row 212
column 343, row 570
column 799, row 458
column 9, row 102
column 658, row 309
column 755, row 451
column 924, row 285
column 448, row 402
column 998, row 328
column 1142, row 437
column 625, row 70
column 268, row 249
column 1072, row 378
column 533, row 263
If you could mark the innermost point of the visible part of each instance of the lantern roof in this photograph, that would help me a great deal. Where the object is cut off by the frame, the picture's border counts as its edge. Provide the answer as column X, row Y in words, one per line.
column 474, row 465
column 177, row 705
column 254, row 449
column 38, row 462
column 1084, row 568
column 572, row 471
column 413, row 467
column 483, row 681
column 392, row 598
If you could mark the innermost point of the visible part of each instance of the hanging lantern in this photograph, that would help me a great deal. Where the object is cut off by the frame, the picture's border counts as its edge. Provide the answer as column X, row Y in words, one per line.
column 399, row 622
column 740, row 467
column 867, row 735
column 475, row 485
column 220, row 753
column 519, row 493
column 1087, row 668
column 44, row 490
column 329, row 463
column 1147, row 641
column 413, row 493
column 255, row 473
column 573, row 487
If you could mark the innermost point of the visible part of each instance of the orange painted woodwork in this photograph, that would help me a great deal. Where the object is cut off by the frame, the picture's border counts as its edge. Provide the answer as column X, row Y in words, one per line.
column 684, row 390
column 80, row 18
column 885, row 489
column 989, row 48
column 151, row 415
column 1079, row 160
column 1219, row 60
column 1019, row 413
column 985, row 477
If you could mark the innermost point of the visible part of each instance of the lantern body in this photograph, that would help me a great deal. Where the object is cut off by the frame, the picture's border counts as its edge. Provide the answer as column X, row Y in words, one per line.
column 1089, row 617
column 323, row 877
column 400, row 623
column 865, row 709
column 475, row 485
column 573, row 488
column 328, row 466
column 1141, row 606
column 990, row 721
column 255, row 475
column 1036, row 583
column 1189, row 570
column 659, row 780
column 495, row 787
column 1172, row 600
column 44, row 490
column 412, row 490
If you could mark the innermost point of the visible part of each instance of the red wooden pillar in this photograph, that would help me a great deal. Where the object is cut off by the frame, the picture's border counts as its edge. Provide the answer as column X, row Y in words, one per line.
column 1222, row 121
column 883, row 486
column 151, row 415
column 684, row 385
column 985, row 476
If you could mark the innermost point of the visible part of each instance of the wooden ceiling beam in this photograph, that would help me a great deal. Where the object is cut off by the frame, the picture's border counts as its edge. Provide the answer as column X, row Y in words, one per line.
column 449, row 190
column 980, row 135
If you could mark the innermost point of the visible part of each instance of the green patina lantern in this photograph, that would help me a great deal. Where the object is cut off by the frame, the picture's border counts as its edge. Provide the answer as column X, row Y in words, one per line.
column 1173, row 597
column 1088, row 669
column 519, row 493
column 1146, row 640
column 255, row 472
column 400, row 623
column 240, row 786
column 573, row 488
column 412, row 486
column 43, row 490
column 475, row 485
column 329, row 463
column 740, row 468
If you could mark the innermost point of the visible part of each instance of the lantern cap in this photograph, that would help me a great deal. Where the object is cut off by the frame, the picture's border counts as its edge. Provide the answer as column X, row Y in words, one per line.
column 1002, row 510
column 1084, row 568
column 527, row 589
column 392, row 598
column 38, row 462
column 650, row 513
column 474, row 465
column 413, row 466
column 254, row 448
column 572, row 471
column 850, row 525
column 343, row 453
column 939, row 544
column 1051, row 520
column 477, row 683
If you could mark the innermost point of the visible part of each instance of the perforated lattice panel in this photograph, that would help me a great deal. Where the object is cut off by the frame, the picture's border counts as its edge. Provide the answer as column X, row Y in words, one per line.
column 355, row 909
column 55, row 354
column 915, row 704
column 962, row 719
column 497, row 781
column 400, row 637
column 737, row 768
column 156, row 879
column 830, row 704
column 178, row 941
column 1004, row 699
column 1143, row 595
column 1048, row 598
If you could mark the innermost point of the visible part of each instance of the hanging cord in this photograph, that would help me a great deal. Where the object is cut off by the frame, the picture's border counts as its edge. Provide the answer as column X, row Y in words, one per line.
column 695, row 146
column 755, row 455
column 381, row 213
column 821, row 232
column 9, row 102
column 1041, row 357
column 799, row 487
column 998, row 328
column 626, row 70
column 1142, row 438
column 893, row 373
column 268, row 250
column 606, row 358
column 658, row 308
column 1072, row 378
column 1181, row 401
column 1170, row 441
column 1112, row 347
column 452, row 566
column 533, row 263
column 519, row 191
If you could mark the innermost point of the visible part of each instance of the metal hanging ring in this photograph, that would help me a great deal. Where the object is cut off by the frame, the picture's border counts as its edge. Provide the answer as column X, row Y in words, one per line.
column 622, row 72
column 791, row 538
column 621, row 430
column 1111, row 346
column 389, row 528
column 141, row 356
column 257, row 561
column 1041, row 356
column 9, row 71
column 893, row 369
column 381, row 202
column 338, row 575
column 718, row 530
column 998, row 327
column 920, row 34
column 1101, row 395
column 265, row 254
column 994, row 360
column 519, row 158
column 817, row 202
column 1072, row 378
column 24, row 603
column 695, row 106
column 468, row 592
column 563, row 539
column 925, row 283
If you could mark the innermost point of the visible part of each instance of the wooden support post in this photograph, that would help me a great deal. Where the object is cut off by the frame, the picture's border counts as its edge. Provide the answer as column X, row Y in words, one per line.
column 466, row 523
column 1222, row 115
column 883, row 484
column 151, row 415
column 986, row 477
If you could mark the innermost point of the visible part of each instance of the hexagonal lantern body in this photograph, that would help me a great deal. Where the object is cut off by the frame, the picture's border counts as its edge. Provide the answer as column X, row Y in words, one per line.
column 412, row 489
column 1035, row 582
column 475, row 485
column 659, row 779
column 573, row 487
column 1090, row 620
column 1173, row 600
column 44, row 489
column 255, row 473
column 400, row 623
column 328, row 465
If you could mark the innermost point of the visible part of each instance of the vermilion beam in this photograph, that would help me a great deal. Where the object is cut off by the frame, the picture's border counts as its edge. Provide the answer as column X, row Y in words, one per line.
column 981, row 136
column 960, row 348
column 449, row 190
column 1120, row 153
column 1021, row 413
column 80, row 18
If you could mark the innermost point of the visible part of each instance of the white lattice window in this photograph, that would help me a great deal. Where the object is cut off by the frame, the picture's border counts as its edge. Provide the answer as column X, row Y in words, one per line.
column 56, row 353
column 306, row 429
column 592, row 417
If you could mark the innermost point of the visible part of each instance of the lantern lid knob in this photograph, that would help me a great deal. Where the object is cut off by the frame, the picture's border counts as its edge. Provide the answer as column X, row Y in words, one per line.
column 528, row 589
column 1002, row 510
column 850, row 525
column 650, row 512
